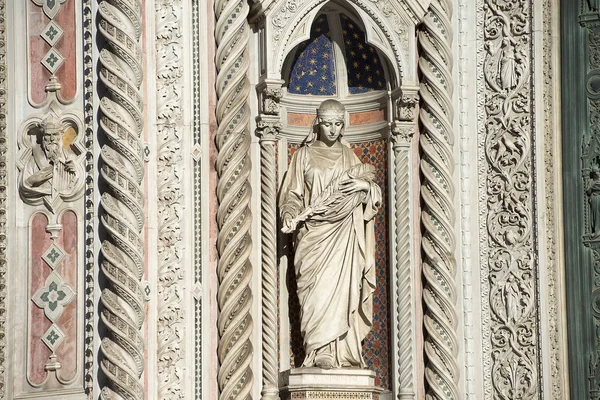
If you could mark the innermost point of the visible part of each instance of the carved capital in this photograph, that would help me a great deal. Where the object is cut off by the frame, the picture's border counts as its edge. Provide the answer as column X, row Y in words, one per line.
column 406, row 106
column 268, row 130
column 401, row 136
column 270, row 93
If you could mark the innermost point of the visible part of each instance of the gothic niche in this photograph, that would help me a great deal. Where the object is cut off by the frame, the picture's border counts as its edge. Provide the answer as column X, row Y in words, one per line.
column 337, row 62
column 50, row 161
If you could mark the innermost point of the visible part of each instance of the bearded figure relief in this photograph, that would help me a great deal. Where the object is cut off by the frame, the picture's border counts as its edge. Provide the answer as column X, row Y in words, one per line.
column 52, row 170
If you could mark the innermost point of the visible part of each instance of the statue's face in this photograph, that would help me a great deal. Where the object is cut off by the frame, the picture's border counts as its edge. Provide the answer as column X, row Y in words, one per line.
column 330, row 130
column 51, row 143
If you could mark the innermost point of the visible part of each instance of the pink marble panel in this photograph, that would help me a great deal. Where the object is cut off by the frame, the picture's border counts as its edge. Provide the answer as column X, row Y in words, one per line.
column 367, row 117
column 67, row 73
column 67, row 351
column 38, row 351
column 300, row 119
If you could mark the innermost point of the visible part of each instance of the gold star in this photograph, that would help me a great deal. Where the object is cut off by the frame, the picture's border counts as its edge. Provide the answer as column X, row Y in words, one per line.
column 313, row 61
column 325, row 55
column 367, row 67
column 350, row 26
column 313, row 50
column 355, row 35
column 355, row 64
column 357, row 75
column 297, row 88
column 375, row 60
column 309, row 84
column 379, row 83
column 352, row 53
column 364, row 56
column 370, row 79
column 360, row 46
column 323, row 78
column 324, row 66
column 322, row 89
column 312, row 72
column 318, row 30
column 348, row 42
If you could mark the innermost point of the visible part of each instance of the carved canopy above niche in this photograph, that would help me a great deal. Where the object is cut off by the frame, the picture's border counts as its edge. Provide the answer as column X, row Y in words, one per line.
column 389, row 25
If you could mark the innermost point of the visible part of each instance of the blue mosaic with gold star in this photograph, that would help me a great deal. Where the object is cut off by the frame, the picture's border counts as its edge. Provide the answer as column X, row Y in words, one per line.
column 313, row 71
column 365, row 71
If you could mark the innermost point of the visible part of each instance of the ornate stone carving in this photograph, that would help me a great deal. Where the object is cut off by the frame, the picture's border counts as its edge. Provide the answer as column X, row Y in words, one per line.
column 506, row 186
column 169, row 132
column 234, row 219
column 270, row 100
column 437, row 193
column 122, row 213
column 407, row 106
column 284, row 21
column 50, row 160
column 50, row 7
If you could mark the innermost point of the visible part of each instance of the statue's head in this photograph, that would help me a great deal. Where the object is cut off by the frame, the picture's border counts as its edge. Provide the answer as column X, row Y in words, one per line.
column 330, row 117
column 51, row 128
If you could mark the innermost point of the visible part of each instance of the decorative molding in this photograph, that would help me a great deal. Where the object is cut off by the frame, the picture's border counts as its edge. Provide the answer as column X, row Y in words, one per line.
column 122, row 213
column 234, row 219
column 90, row 207
column 558, row 363
column 437, row 194
column 467, row 166
column 406, row 302
column 198, row 235
column 506, row 189
column 3, row 197
column 169, row 133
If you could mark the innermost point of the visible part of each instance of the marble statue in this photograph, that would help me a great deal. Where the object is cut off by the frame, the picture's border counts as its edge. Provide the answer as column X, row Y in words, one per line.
column 329, row 201
column 593, row 191
column 51, row 170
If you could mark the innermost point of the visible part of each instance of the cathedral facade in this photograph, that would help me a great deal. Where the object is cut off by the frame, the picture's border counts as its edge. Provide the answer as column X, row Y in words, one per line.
column 146, row 150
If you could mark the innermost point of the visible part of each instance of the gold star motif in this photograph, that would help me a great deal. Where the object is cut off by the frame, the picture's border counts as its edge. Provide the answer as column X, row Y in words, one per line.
column 313, row 61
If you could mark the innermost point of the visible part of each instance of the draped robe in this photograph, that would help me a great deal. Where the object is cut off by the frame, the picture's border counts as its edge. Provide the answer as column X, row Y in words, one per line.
column 334, row 258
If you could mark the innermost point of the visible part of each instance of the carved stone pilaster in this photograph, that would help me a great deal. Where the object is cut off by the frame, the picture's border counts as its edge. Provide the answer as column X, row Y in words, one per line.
column 406, row 105
column 169, row 134
column 234, row 218
column 507, row 185
column 405, row 300
column 437, row 194
column 122, row 214
column 268, row 132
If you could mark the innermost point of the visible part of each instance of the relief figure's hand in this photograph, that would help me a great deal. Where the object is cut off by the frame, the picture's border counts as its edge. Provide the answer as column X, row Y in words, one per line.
column 288, row 225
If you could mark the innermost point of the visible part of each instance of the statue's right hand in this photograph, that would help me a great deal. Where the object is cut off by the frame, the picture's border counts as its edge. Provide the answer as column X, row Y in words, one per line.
column 288, row 224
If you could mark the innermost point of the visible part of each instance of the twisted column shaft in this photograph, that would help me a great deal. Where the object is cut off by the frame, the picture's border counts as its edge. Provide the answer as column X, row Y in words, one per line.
column 269, row 262
column 405, row 299
column 234, row 218
column 122, row 212
column 437, row 193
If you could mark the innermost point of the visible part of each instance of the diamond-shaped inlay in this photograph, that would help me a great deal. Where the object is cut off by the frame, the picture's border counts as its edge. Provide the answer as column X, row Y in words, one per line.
column 53, row 256
column 53, row 297
column 53, row 60
column 53, row 337
column 52, row 33
column 196, row 152
column 197, row 291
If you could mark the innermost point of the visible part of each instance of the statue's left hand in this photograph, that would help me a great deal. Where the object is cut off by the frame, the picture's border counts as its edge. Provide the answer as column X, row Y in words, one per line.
column 70, row 166
column 354, row 185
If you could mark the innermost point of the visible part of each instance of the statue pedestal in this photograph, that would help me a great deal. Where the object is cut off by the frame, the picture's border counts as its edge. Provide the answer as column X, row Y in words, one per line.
column 328, row 384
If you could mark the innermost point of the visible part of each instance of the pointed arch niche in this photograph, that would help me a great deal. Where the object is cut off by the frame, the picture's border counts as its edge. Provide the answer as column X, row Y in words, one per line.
column 364, row 55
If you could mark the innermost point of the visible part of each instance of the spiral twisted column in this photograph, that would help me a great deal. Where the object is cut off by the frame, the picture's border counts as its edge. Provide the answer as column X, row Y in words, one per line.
column 405, row 298
column 437, row 193
column 268, row 140
column 122, row 213
column 234, row 295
